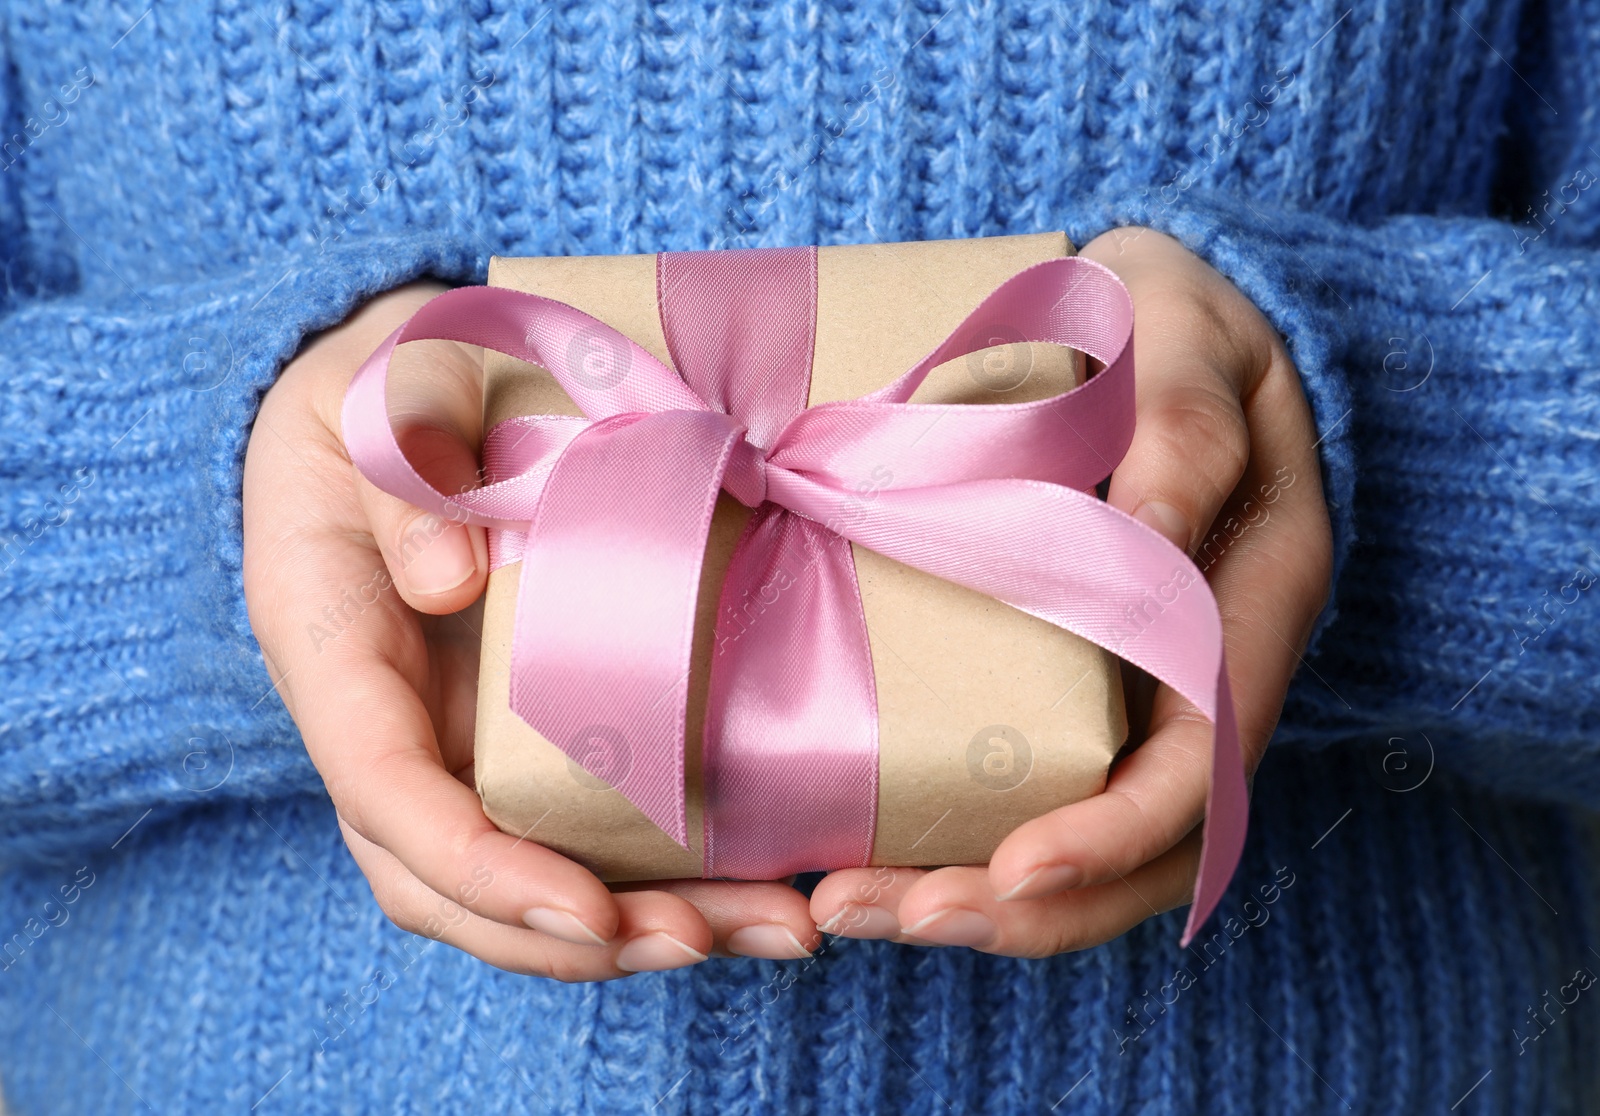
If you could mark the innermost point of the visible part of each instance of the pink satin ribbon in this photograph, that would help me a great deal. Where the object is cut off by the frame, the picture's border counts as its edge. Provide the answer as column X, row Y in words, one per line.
column 609, row 515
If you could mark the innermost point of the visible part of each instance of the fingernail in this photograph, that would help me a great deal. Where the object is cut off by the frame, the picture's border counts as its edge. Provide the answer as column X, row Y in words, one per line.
column 771, row 940
column 955, row 926
column 859, row 920
column 653, row 952
column 561, row 924
column 436, row 556
column 1045, row 880
column 1166, row 519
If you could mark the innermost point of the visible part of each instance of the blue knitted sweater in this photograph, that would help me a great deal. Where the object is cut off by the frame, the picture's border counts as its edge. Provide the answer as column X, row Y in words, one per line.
column 1407, row 193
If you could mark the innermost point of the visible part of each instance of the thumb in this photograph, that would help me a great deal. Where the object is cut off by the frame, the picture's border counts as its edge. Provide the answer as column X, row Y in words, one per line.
column 438, row 565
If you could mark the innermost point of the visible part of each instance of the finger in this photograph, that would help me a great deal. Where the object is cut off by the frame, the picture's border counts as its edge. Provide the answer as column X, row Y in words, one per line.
column 370, row 736
column 435, row 395
column 1191, row 441
column 655, row 930
column 1269, row 573
column 862, row 902
column 770, row 920
column 957, row 907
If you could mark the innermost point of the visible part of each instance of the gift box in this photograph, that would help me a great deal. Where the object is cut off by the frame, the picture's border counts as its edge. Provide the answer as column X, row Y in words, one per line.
column 985, row 716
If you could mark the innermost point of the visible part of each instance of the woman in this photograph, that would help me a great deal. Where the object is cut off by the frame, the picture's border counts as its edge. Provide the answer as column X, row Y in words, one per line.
column 1370, row 258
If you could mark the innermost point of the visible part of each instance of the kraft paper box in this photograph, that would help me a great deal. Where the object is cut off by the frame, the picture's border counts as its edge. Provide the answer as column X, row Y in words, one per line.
column 987, row 716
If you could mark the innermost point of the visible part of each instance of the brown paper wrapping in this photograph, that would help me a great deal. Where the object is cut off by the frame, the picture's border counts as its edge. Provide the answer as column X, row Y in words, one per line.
column 987, row 716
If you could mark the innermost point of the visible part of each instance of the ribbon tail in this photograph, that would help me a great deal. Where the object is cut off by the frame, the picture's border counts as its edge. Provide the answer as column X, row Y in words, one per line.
column 606, row 606
column 1070, row 559
column 791, row 741
column 1227, row 813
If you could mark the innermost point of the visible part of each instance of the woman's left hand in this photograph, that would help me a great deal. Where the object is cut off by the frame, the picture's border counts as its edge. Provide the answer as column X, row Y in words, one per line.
column 1223, row 463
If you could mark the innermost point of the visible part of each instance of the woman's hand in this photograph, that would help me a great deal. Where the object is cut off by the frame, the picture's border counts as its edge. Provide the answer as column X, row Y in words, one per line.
column 365, row 608
column 1223, row 463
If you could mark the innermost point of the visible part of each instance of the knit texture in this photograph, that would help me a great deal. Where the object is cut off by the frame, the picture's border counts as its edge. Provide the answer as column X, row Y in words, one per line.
column 234, row 957
column 1407, row 195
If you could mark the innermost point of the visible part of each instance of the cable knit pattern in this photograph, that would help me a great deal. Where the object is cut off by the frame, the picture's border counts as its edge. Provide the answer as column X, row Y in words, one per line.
column 1407, row 192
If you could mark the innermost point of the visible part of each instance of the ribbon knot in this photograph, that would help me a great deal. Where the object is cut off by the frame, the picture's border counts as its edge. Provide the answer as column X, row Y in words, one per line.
column 746, row 477
column 609, row 515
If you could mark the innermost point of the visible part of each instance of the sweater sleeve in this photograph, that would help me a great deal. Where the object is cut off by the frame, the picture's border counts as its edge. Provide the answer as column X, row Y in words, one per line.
column 133, row 684
column 1449, row 363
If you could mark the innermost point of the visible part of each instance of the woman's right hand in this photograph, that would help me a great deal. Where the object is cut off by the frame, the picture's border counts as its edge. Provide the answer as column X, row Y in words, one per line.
column 365, row 609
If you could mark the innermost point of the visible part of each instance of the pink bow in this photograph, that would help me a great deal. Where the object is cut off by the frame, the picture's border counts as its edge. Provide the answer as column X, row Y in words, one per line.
column 609, row 515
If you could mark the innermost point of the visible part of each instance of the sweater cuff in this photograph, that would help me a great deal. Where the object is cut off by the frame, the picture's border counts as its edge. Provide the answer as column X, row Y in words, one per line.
column 140, row 687
column 1253, row 248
